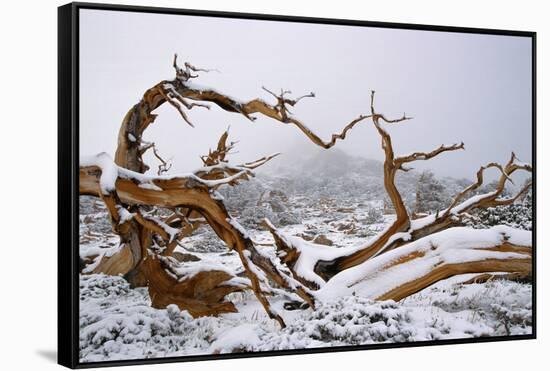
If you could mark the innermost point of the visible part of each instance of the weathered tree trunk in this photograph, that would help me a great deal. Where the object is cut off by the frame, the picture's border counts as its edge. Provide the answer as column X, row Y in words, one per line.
column 192, row 193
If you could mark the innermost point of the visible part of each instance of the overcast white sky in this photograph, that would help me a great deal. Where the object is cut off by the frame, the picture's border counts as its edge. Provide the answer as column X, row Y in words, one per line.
column 458, row 87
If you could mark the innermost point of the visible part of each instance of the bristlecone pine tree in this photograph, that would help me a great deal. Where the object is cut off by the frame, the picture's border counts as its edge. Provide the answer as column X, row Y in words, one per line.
column 406, row 257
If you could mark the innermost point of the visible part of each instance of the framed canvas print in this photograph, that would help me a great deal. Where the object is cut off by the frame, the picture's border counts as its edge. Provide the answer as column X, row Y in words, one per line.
column 235, row 185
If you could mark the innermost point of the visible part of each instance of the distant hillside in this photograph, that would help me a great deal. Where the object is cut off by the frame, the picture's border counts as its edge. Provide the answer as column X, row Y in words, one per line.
column 334, row 173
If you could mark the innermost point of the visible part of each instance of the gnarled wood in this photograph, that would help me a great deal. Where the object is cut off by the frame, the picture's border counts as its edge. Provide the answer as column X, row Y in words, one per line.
column 487, row 277
column 147, row 241
column 445, row 271
column 202, row 294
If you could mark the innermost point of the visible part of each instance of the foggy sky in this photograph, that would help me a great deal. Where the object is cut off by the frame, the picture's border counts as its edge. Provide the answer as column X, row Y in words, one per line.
column 458, row 87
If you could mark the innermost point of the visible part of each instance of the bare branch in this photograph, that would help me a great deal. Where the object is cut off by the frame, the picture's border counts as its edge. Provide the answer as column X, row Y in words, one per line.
column 342, row 135
column 259, row 162
column 427, row 155
column 181, row 74
column 277, row 112
column 492, row 197
column 164, row 166
column 218, row 155
column 510, row 200
column 395, row 121
column 255, row 281
column 379, row 116
column 282, row 103
column 270, row 92
column 293, row 102
column 189, row 66
column 473, row 186
column 217, row 167
column 145, row 146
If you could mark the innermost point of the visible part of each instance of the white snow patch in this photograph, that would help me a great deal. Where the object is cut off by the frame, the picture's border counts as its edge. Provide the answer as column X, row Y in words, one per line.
column 150, row 186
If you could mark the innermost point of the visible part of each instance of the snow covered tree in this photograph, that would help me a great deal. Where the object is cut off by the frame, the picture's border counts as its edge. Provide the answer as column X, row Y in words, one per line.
column 154, row 214
column 430, row 194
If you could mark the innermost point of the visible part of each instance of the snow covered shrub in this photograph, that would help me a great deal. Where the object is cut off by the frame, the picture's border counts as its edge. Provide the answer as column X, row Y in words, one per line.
column 117, row 322
column 205, row 240
column 518, row 215
column 346, row 321
column 374, row 216
column 354, row 320
column 512, row 321
column 101, row 286
column 252, row 217
column 494, row 308
column 288, row 218
column 260, row 198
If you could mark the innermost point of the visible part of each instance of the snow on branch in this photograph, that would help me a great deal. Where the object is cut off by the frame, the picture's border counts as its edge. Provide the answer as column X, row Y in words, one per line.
column 109, row 173
column 156, row 225
column 491, row 198
column 301, row 256
column 416, row 265
column 454, row 213
column 511, row 200
column 292, row 248
column 216, row 165
column 176, row 100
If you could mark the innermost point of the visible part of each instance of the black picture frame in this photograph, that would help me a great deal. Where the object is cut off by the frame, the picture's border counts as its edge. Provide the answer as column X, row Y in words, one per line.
column 68, row 194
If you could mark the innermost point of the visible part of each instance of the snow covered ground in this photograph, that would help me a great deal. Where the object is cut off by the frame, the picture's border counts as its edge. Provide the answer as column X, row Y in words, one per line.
column 117, row 322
